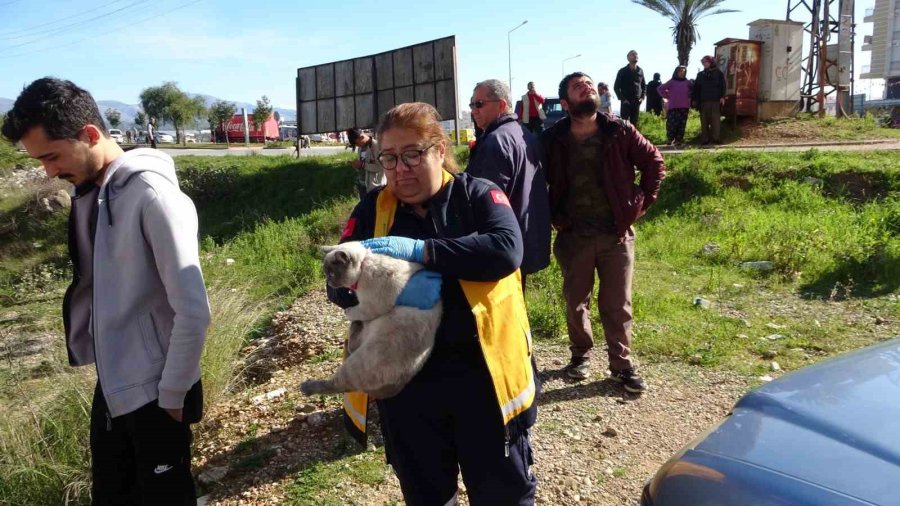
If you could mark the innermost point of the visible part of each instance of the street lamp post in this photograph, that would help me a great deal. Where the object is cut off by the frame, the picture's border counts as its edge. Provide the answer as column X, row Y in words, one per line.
column 509, row 49
column 563, row 65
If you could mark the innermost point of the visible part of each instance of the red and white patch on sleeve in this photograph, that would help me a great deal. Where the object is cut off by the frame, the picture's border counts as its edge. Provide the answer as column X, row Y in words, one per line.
column 500, row 198
column 348, row 228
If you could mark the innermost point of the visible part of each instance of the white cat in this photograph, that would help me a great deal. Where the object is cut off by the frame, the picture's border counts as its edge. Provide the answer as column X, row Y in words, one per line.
column 388, row 344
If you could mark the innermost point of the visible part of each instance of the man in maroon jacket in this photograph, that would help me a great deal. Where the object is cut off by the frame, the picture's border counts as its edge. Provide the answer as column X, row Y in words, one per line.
column 591, row 162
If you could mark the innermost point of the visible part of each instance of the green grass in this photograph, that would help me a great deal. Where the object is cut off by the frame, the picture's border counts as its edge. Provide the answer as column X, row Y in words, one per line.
column 827, row 237
column 653, row 127
column 10, row 157
column 830, row 237
column 803, row 128
column 267, row 214
column 315, row 484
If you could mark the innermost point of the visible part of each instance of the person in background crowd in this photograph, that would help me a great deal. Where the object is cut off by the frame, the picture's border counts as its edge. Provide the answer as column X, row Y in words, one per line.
column 709, row 97
column 151, row 133
column 511, row 158
column 677, row 91
column 594, row 201
column 605, row 98
column 533, row 115
column 369, row 174
column 470, row 407
column 631, row 88
column 654, row 101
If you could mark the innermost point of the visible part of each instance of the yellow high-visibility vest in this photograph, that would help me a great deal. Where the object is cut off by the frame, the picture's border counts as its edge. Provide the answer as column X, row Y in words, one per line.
column 503, row 331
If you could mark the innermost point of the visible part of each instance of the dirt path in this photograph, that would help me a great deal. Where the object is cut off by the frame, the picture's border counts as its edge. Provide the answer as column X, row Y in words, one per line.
column 594, row 443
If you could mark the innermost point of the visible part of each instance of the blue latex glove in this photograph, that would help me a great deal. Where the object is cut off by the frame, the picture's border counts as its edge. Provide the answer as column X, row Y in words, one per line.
column 403, row 248
column 422, row 291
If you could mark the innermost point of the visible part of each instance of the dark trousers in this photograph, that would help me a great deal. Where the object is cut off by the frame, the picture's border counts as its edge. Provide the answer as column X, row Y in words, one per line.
column 447, row 423
column 140, row 458
column 710, row 120
column 535, row 125
column 613, row 261
column 676, row 121
column 630, row 111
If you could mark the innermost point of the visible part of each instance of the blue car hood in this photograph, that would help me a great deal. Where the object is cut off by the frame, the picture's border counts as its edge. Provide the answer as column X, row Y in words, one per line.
column 835, row 425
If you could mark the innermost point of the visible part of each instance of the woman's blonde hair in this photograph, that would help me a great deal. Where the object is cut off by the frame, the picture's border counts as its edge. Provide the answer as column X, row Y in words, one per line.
column 424, row 120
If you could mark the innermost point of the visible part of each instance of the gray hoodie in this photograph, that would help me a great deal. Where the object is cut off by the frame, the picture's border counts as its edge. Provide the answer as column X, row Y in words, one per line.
column 138, row 308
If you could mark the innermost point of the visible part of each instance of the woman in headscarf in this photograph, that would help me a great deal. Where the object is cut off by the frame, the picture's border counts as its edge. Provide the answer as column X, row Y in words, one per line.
column 678, row 92
column 709, row 96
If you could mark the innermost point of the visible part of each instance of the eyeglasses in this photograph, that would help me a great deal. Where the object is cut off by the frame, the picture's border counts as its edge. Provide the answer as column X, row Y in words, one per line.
column 411, row 158
column 478, row 104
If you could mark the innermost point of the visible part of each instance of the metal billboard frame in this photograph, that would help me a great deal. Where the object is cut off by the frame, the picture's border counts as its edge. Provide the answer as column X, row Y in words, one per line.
column 335, row 96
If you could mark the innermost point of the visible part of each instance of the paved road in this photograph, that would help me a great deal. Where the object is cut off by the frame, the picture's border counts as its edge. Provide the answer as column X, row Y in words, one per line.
column 243, row 151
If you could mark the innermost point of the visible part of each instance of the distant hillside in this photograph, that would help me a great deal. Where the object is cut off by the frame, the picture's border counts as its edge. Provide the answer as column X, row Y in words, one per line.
column 5, row 105
column 129, row 111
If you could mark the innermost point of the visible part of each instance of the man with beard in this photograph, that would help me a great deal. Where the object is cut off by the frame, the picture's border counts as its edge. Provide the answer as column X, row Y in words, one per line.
column 591, row 162
column 631, row 88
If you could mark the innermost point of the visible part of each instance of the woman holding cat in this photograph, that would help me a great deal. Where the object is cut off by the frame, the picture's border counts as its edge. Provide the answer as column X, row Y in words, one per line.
column 470, row 407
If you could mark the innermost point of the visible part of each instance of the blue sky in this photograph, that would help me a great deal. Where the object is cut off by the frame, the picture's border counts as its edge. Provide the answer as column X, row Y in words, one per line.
column 240, row 50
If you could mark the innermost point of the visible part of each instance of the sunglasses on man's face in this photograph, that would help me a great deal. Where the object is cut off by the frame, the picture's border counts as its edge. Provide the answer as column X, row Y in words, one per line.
column 478, row 104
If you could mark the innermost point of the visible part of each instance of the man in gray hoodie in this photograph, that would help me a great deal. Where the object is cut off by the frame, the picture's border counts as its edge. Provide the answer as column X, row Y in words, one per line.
column 137, row 306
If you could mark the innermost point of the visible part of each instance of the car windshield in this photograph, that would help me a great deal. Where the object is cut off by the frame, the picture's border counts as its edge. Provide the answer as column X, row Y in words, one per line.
column 552, row 105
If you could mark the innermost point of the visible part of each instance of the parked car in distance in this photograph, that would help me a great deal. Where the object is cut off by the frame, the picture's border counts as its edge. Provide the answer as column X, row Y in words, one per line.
column 826, row 434
column 164, row 138
column 116, row 135
column 554, row 111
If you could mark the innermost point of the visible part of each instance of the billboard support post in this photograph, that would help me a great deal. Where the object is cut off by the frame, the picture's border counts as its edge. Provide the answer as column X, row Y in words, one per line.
column 246, row 126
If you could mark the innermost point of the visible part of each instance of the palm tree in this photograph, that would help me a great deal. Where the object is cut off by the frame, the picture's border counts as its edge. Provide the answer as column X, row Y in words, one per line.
column 685, row 14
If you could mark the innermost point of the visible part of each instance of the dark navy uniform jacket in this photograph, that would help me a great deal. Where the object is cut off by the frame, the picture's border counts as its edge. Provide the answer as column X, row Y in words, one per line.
column 471, row 233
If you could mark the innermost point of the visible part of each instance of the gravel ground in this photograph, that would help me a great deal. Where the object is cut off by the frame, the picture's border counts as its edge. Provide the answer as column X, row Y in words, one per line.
column 594, row 443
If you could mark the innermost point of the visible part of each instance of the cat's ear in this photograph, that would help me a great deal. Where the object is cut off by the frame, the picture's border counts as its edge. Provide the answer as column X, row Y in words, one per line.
column 341, row 257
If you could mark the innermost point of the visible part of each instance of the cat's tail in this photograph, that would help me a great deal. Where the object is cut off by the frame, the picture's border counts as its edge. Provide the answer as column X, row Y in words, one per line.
column 312, row 387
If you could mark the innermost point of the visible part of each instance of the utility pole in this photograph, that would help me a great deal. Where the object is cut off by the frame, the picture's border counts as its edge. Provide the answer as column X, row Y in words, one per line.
column 509, row 49
column 828, row 69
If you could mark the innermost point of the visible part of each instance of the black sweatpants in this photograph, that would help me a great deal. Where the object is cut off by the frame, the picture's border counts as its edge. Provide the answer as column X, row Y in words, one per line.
column 438, row 426
column 142, row 457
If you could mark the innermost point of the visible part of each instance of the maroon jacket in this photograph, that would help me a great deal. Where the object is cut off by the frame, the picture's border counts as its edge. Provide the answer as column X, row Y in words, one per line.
column 624, row 150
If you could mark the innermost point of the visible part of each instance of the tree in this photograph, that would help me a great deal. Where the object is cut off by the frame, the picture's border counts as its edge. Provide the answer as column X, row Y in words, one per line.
column 685, row 14
column 140, row 119
column 185, row 110
column 114, row 117
column 169, row 103
column 261, row 113
column 222, row 112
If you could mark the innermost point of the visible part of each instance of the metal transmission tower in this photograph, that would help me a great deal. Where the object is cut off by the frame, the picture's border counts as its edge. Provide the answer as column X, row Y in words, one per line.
column 828, row 68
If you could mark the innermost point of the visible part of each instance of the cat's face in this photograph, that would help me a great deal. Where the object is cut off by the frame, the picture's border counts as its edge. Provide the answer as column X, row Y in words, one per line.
column 342, row 263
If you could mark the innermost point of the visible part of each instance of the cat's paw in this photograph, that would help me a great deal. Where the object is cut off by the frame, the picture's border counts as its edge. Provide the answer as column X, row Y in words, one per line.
column 309, row 387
